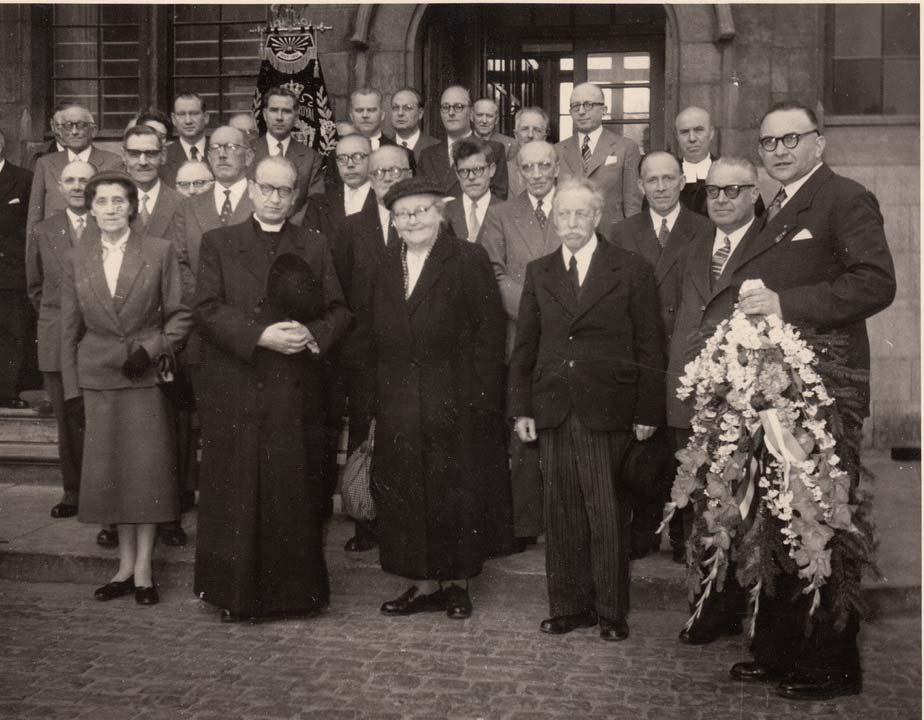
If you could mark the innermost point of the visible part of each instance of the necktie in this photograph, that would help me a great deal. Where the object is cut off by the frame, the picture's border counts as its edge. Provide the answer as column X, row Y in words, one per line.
column 575, row 278
column 226, row 209
column 585, row 152
column 776, row 205
column 279, row 150
column 541, row 217
column 663, row 233
column 719, row 257
column 473, row 224
column 404, row 143
column 193, row 153
column 145, row 213
column 80, row 226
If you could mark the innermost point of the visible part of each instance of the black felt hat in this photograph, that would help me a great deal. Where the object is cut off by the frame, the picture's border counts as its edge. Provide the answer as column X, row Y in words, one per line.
column 411, row 186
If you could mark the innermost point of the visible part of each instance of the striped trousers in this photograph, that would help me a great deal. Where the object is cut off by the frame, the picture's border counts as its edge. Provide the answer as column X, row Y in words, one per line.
column 586, row 520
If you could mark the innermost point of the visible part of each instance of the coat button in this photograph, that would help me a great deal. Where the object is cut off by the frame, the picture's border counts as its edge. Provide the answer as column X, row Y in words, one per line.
column 702, row 308
column 571, row 337
column 259, row 386
column 571, row 363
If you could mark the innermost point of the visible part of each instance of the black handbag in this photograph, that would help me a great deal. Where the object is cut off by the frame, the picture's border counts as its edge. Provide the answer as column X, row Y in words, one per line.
column 172, row 381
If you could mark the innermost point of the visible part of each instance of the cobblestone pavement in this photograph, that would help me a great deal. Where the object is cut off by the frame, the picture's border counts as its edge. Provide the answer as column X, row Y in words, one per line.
column 64, row 655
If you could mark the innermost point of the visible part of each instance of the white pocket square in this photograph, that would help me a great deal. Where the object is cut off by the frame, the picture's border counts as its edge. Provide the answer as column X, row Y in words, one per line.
column 611, row 160
column 14, row 201
column 803, row 234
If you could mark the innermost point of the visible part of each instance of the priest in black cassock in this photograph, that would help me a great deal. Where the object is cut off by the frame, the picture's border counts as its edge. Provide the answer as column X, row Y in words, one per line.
column 269, row 306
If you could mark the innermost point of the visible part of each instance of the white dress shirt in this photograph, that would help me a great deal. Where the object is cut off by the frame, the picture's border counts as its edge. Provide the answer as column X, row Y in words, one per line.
column 271, row 145
column 376, row 141
column 113, row 254
column 354, row 199
column 734, row 239
column 696, row 171
column 593, row 137
column 152, row 194
column 415, row 264
column 237, row 192
column 200, row 145
column 583, row 257
column 793, row 187
column 74, row 219
column 671, row 218
column 481, row 207
column 546, row 202
column 411, row 141
column 83, row 155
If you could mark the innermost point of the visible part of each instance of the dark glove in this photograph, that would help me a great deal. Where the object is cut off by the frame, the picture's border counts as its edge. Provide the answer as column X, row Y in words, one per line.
column 136, row 365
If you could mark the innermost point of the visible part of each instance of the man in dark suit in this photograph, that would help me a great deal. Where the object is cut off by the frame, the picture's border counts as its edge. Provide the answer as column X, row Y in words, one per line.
column 406, row 114
column 475, row 165
column 57, row 144
column 436, row 161
column 190, row 119
column 514, row 233
column 367, row 114
column 822, row 255
column 77, row 129
column 45, row 257
column 594, row 152
column 260, row 546
column 14, row 307
column 661, row 235
column 584, row 377
column 280, row 107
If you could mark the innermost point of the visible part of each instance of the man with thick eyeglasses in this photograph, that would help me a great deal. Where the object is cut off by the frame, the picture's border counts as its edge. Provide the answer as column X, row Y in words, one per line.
column 822, row 255
column 474, row 162
column 436, row 161
column 599, row 154
column 194, row 178
column 406, row 113
column 515, row 233
column 77, row 130
column 280, row 111
column 270, row 307
column 190, row 120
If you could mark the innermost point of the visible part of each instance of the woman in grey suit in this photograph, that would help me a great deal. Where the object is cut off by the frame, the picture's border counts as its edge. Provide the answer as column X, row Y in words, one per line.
column 121, row 308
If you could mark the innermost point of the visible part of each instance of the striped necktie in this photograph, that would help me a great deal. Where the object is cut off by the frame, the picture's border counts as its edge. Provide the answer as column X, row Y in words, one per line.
column 585, row 152
column 719, row 257
column 777, row 204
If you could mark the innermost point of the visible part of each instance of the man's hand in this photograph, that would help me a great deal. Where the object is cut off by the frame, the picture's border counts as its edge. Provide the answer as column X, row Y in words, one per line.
column 311, row 344
column 760, row 301
column 643, row 432
column 525, row 428
column 286, row 337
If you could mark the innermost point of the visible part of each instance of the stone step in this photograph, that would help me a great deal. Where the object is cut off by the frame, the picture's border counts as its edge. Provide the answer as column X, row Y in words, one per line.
column 29, row 453
column 28, row 429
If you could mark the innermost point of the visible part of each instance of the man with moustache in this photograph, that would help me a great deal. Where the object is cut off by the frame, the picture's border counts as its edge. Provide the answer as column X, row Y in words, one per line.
column 190, row 119
column 45, row 257
column 822, row 255
column 529, row 124
column 475, row 165
column 514, row 234
column 594, row 152
column 406, row 114
column 194, row 178
column 280, row 110
column 661, row 235
column 582, row 381
column 260, row 545
column 436, row 161
column 484, row 122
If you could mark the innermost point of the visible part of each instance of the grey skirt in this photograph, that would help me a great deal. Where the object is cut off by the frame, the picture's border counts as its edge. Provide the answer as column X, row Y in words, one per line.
column 129, row 458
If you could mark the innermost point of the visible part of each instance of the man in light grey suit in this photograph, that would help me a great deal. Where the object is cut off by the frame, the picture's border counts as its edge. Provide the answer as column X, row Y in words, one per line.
column 609, row 160
column 515, row 233
column 77, row 129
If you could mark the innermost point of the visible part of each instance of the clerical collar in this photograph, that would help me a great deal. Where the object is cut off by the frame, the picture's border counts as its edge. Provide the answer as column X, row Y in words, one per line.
column 696, row 171
column 268, row 227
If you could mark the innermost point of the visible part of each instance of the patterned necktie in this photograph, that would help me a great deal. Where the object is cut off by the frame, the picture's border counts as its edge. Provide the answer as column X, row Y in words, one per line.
column 145, row 214
column 776, row 205
column 663, row 233
column 226, row 209
column 541, row 217
column 404, row 143
column 473, row 225
column 280, row 150
column 193, row 153
column 575, row 278
column 585, row 152
column 80, row 226
column 719, row 257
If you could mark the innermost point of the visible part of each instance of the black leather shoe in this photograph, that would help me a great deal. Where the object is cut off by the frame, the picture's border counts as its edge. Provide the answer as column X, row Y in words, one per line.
column 413, row 601
column 458, row 603
column 229, row 617
column 700, row 634
column 63, row 510
column 561, row 624
column 114, row 589
column 522, row 543
column 755, row 672
column 107, row 538
column 172, row 535
column 819, row 686
column 146, row 595
column 614, row 630
column 678, row 553
column 358, row 544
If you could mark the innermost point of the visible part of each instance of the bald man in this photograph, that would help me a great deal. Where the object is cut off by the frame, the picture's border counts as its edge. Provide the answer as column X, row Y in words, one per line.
column 600, row 155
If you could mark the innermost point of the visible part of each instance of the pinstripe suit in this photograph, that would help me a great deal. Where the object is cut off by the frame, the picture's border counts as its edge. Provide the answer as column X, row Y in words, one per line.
column 585, row 369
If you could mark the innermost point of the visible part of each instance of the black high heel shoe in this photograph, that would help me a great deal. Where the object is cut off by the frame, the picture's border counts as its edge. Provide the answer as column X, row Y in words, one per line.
column 114, row 589
column 147, row 595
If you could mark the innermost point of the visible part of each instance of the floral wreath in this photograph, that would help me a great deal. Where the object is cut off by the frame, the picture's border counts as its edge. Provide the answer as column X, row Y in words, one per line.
column 763, row 444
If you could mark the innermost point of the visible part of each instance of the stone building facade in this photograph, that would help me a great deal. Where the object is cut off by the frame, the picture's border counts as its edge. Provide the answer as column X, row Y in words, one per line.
column 734, row 60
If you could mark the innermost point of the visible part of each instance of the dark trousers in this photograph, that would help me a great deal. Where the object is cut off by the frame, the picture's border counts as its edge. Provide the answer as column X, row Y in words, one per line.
column 526, row 488
column 360, row 387
column 648, row 488
column 586, row 520
column 70, row 438
column 14, row 330
column 681, row 524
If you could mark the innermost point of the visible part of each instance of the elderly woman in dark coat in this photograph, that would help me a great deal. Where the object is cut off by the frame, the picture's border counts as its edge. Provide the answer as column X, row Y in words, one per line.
column 439, row 476
column 121, row 308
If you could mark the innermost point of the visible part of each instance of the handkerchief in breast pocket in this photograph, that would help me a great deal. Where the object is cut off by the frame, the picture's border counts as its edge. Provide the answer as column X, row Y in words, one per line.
column 803, row 234
column 14, row 201
column 611, row 160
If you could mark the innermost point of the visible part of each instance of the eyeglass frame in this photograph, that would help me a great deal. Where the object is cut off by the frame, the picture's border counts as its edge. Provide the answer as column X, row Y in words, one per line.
column 586, row 105
column 738, row 187
column 75, row 125
column 475, row 172
column 188, row 184
column 394, row 172
column 228, row 147
column 543, row 167
column 776, row 139
column 357, row 158
column 284, row 192
column 405, row 216
column 455, row 107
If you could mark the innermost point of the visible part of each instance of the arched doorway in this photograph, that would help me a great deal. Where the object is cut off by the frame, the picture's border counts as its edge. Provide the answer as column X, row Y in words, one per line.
column 534, row 54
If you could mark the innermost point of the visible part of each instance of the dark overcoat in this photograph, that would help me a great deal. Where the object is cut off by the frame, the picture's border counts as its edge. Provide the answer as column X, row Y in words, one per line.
column 439, row 468
column 259, row 547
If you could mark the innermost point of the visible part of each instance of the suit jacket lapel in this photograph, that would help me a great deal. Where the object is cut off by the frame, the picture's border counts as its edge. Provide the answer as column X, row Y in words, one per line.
column 601, row 152
column 242, row 211
column 600, row 280
column 91, row 252
column 252, row 255
column 751, row 241
column 131, row 265
column 205, row 212
column 432, row 269
column 700, row 268
column 557, row 282
column 676, row 241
